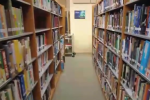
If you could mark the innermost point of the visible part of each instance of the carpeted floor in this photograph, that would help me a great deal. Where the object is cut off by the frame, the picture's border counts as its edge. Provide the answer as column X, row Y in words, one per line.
column 78, row 81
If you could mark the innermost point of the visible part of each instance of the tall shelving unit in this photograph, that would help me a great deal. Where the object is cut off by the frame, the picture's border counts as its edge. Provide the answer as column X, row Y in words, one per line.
column 100, row 58
column 32, row 28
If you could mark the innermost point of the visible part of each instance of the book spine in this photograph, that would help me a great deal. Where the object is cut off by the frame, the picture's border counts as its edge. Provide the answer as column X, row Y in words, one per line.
column 5, row 65
column 22, row 85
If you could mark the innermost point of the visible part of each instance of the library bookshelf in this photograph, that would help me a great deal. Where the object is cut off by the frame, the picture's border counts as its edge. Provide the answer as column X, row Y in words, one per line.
column 35, row 31
column 118, row 66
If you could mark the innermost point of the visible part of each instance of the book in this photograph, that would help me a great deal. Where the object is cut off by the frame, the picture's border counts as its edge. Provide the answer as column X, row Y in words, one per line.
column 145, row 57
column 3, row 25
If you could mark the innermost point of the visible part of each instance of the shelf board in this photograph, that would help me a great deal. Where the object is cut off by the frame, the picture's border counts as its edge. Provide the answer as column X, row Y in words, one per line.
column 94, row 46
column 57, row 65
column 55, row 28
column 114, row 30
column 100, row 40
column 99, row 66
column 32, row 60
column 35, row 83
column 115, row 8
column 45, row 49
column 113, row 51
column 136, row 70
column 9, row 80
column 41, row 30
column 110, row 88
column 36, row 7
column 101, row 14
column 100, row 55
column 25, row 34
column 101, row 28
column 60, row 26
column 45, row 68
column 23, row 2
column 113, row 71
column 128, row 91
column 45, row 87
column 55, row 14
column 132, row 2
column 138, row 35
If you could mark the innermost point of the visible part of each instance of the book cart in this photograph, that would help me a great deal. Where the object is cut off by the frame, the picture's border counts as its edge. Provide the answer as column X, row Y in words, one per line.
column 30, row 54
column 120, row 45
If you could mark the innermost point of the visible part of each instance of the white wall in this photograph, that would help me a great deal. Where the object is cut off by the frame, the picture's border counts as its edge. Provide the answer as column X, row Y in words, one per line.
column 82, row 28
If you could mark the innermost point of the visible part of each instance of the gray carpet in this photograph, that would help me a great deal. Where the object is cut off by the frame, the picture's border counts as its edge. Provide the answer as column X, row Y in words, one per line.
column 78, row 81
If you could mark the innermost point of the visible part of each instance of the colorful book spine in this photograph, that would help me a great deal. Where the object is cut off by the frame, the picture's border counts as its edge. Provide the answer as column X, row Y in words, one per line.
column 145, row 57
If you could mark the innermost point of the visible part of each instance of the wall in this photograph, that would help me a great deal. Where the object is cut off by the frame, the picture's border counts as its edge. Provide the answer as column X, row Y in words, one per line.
column 82, row 28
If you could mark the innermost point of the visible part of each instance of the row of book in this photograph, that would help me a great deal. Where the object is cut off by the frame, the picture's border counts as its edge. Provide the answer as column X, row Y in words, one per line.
column 139, row 88
column 113, row 40
column 44, row 4
column 55, row 21
column 111, row 79
column 109, row 89
column 137, row 20
column 45, row 79
column 56, row 48
column 123, row 94
column 111, row 4
column 20, row 87
column 11, row 21
column 47, row 93
column 56, row 35
column 115, row 20
column 42, row 61
column 49, row 5
column 101, row 35
column 100, row 21
column 100, row 49
column 137, row 52
column 56, row 7
column 41, row 42
column 112, row 60
column 100, row 7
column 14, row 56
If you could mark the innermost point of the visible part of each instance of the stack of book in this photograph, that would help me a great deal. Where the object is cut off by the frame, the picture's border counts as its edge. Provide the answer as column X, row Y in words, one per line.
column 47, row 93
column 45, row 80
column 101, row 49
column 44, row 4
column 101, row 35
column 137, row 20
column 13, row 58
column 101, row 7
column 95, row 22
column 42, row 61
column 115, row 20
column 20, row 87
column 56, row 48
column 41, row 42
column 56, row 8
column 95, row 11
column 55, row 21
column 101, row 21
column 111, row 4
column 56, row 35
column 11, row 25
column 138, row 87
column 113, row 40
column 137, row 53
column 56, row 61
column 112, row 60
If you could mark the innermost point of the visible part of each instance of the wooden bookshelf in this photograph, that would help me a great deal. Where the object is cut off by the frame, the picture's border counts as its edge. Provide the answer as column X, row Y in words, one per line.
column 32, row 28
column 127, row 6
